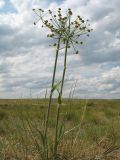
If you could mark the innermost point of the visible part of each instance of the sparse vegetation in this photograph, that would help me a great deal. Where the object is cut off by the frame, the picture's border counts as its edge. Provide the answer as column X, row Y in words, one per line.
column 98, row 134
column 60, row 129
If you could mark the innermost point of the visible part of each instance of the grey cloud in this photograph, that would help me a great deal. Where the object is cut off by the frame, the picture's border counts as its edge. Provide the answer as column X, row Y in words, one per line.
column 14, row 41
column 6, row 30
column 31, row 67
column 100, row 13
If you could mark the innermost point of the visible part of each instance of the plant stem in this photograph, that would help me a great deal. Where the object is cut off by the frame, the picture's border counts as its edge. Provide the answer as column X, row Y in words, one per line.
column 51, row 93
column 61, row 91
column 58, row 106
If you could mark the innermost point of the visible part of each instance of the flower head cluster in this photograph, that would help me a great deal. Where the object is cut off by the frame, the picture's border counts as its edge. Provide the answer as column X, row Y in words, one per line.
column 63, row 27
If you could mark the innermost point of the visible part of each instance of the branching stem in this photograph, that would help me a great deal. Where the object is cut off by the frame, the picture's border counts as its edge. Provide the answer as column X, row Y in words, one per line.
column 51, row 93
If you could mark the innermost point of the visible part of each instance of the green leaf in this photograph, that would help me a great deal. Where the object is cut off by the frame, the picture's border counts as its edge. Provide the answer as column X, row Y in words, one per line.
column 42, row 137
column 60, row 131
column 55, row 87
column 59, row 99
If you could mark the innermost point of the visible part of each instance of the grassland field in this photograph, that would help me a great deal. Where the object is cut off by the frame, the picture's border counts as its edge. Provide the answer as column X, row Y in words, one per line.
column 91, row 129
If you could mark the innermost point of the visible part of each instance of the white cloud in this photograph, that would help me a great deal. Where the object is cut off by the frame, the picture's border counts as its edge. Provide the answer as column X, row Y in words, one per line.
column 26, row 60
column 2, row 2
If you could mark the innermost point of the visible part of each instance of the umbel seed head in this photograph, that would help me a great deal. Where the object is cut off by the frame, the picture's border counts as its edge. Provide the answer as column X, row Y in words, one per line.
column 77, row 52
column 81, row 42
column 49, row 11
column 62, row 27
column 70, row 12
column 54, row 44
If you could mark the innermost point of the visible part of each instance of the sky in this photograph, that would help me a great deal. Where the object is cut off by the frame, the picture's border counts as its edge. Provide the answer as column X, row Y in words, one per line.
column 26, row 60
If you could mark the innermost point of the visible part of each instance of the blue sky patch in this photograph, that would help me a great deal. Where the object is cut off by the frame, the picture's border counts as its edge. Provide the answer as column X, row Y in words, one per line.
column 8, row 7
column 57, row 1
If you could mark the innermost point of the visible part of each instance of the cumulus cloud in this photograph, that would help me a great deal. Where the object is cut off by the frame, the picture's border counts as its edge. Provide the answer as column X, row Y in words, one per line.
column 2, row 3
column 26, row 60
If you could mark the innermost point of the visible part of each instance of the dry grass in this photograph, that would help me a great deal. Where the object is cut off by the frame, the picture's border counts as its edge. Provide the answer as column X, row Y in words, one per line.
column 98, row 136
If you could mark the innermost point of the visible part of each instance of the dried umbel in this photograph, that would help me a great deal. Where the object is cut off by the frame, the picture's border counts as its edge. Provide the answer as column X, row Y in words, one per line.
column 64, row 28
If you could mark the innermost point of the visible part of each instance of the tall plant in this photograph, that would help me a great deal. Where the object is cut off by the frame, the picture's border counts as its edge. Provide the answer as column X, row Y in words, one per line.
column 66, row 33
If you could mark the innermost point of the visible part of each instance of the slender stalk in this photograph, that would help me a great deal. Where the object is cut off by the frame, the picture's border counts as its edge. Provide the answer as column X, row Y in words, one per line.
column 82, row 118
column 51, row 93
column 74, row 87
column 61, row 90
column 58, row 106
column 64, row 70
